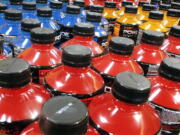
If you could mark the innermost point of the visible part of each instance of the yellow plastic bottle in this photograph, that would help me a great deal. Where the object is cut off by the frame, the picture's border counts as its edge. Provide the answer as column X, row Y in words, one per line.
column 172, row 18
column 145, row 12
column 128, row 24
column 123, row 5
column 155, row 22
column 140, row 6
column 164, row 8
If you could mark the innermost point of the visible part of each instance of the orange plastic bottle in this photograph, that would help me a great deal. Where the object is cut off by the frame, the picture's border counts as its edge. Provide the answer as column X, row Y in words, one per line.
column 164, row 8
column 123, row 5
column 143, row 16
column 140, row 6
column 172, row 18
column 128, row 24
column 155, row 22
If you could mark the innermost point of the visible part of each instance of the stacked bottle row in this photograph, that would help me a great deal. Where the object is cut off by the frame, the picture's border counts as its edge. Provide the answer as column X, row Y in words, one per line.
column 75, row 60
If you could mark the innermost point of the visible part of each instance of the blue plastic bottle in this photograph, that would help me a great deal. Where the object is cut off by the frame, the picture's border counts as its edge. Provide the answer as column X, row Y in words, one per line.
column 81, row 4
column 100, row 9
column 64, row 6
column 41, row 3
column 72, row 17
column 56, row 7
column 15, row 4
column 29, row 9
column 3, row 7
column 23, row 40
column 11, row 28
column 5, row 2
column 101, row 34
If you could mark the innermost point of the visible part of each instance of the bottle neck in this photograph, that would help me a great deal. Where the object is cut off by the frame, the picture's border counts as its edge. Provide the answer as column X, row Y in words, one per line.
column 29, row 11
column 44, row 18
column 172, row 18
column 154, row 20
column 75, row 70
column 119, row 57
column 150, row 47
column 130, row 15
column 78, row 37
column 42, row 46
column 13, row 22
column 25, row 34
column 72, row 15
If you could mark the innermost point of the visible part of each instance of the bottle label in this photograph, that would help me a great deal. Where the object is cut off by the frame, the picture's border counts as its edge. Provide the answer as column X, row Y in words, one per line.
column 149, row 69
column 170, row 119
column 173, row 55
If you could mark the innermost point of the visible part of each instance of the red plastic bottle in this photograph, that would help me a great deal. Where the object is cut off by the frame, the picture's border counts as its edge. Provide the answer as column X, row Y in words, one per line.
column 83, row 34
column 165, row 95
column 42, row 55
column 148, row 54
column 117, row 60
column 172, row 44
column 62, row 115
column 75, row 77
column 21, row 100
column 125, row 111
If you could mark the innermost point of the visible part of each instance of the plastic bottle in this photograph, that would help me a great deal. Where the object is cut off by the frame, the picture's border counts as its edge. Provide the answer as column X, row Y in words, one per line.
column 175, row 5
column 56, row 7
column 126, row 106
column 101, row 34
column 29, row 10
column 11, row 28
column 123, row 5
column 165, row 95
column 72, row 17
column 22, row 100
column 100, row 9
column 75, row 77
column 148, row 54
column 64, row 6
column 128, row 24
column 145, row 12
column 41, row 3
column 164, row 8
column 172, row 18
column 81, row 4
column 42, row 55
column 3, row 7
column 62, row 115
column 117, row 60
column 140, row 6
column 155, row 22
column 172, row 44
column 15, row 4
column 109, row 13
column 83, row 35
column 1, row 49
column 23, row 41
column 166, row 1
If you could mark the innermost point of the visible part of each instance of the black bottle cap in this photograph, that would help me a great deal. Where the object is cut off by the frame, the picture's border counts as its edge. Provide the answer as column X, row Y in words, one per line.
column 166, row 1
column 175, row 5
column 131, row 9
column 96, row 8
column 125, row 3
column 153, row 37
column 42, row 1
column 14, row 73
column 72, row 9
column 55, row 4
column 3, row 7
column 173, row 13
column 44, row 12
column 121, row 45
column 64, row 115
column 110, row 4
column 28, row 24
column 76, row 56
column 164, row 7
column 15, row 2
column 83, row 29
column 131, row 88
column 157, row 15
column 79, row 3
column 141, row 3
column 155, row 1
column 170, row 69
column 93, row 17
column 178, row 1
column 42, row 35
column 11, row 14
column 29, row 5
column 148, row 7
column 175, row 31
